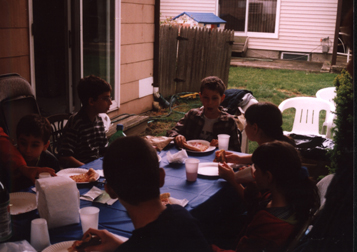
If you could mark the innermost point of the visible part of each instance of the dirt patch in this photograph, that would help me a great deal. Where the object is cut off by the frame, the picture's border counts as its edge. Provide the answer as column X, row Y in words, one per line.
column 289, row 92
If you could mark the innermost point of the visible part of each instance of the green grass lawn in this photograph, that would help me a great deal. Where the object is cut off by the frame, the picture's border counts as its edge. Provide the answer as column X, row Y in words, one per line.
column 266, row 85
column 277, row 85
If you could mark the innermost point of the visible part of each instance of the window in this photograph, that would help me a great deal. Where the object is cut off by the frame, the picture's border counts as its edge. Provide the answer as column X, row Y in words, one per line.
column 255, row 18
column 99, row 41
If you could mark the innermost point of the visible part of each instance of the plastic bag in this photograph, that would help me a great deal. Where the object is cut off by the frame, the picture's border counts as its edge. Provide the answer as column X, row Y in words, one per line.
column 312, row 146
column 23, row 246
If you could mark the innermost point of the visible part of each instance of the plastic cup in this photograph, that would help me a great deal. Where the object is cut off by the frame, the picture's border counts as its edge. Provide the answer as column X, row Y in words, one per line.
column 39, row 234
column 89, row 218
column 191, row 169
column 244, row 176
column 44, row 175
column 223, row 141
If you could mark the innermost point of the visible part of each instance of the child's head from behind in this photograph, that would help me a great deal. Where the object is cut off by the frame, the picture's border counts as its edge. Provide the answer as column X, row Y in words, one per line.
column 278, row 165
column 33, row 133
column 267, row 117
column 278, row 158
column 90, row 89
column 213, row 83
column 132, row 170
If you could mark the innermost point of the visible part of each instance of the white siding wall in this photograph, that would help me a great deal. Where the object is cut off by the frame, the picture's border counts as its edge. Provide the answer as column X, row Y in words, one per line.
column 172, row 8
column 302, row 24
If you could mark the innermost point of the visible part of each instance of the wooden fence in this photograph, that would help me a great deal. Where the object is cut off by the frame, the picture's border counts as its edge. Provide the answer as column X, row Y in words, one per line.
column 187, row 55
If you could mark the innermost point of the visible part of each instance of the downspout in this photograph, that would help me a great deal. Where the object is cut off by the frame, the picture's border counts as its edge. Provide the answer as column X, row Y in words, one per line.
column 156, row 42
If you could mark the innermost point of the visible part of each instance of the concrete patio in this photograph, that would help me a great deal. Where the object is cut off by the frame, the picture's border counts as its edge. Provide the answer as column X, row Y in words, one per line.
column 309, row 66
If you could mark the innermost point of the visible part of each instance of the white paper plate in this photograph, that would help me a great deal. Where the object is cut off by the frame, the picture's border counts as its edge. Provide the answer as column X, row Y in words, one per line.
column 63, row 246
column 159, row 158
column 59, row 247
column 209, row 169
column 210, row 148
column 74, row 171
column 22, row 202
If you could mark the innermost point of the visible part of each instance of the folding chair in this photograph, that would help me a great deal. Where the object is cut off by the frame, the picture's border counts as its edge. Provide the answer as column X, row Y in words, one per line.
column 17, row 99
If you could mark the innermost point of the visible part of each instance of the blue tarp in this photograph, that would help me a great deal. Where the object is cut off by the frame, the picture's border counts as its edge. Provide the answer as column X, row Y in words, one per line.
column 205, row 18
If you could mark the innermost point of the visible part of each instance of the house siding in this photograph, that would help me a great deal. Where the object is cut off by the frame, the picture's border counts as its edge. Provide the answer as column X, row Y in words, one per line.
column 172, row 8
column 302, row 24
column 137, row 54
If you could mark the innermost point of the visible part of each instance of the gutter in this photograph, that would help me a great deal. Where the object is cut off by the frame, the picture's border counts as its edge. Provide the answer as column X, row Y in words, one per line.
column 156, row 42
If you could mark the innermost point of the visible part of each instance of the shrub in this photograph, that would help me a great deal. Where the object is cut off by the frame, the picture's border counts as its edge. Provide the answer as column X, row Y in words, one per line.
column 342, row 154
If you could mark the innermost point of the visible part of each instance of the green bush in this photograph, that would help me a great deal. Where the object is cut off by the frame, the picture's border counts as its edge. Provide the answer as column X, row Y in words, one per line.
column 342, row 154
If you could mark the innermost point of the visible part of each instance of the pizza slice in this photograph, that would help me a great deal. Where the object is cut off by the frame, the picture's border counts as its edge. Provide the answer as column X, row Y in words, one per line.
column 87, row 240
column 220, row 156
column 89, row 176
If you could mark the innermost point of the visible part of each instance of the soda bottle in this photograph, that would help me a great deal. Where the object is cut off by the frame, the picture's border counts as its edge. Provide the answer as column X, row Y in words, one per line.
column 5, row 218
column 119, row 133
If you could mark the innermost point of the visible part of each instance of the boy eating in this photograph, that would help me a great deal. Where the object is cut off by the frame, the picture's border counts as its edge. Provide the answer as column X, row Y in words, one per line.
column 84, row 137
column 209, row 120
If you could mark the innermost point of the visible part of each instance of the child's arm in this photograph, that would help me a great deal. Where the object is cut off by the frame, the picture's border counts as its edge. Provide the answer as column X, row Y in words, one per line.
column 226, row 172
column 238, row 159
column 70, row 161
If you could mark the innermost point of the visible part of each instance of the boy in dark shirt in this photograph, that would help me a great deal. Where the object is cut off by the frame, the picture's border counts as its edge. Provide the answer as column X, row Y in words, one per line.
column 209, row 120
column 133, row 176
column 33, row 138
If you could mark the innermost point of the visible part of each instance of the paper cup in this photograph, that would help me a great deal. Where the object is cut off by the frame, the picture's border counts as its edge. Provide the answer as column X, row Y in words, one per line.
column 39, row 234
column 191, row 169
column 244, row 176
column 89, row 218
column 223, row 141
column 44, row 175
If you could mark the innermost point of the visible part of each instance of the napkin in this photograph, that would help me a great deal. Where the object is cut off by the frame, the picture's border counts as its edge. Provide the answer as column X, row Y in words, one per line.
column 97, row 195
column 178, row 157
column 58, row 201
column 159, row 142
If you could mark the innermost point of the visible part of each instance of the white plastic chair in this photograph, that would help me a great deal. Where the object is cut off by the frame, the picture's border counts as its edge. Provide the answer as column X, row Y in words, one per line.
column 327, row 94
column 307, row 110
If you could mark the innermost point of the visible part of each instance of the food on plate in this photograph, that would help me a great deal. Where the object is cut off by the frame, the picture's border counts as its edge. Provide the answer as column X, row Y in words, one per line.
column 87, row 240
column 195, row 146
column 165, row 198
column 220, row 156
column 89, row 176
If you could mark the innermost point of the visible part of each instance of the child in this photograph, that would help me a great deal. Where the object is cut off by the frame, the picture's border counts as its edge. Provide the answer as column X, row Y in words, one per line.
column 15, row 173
column 263, row 124
column 33, row 138
column 209, row 120
column 275, row 216
column 84, row 138
column 133, row 176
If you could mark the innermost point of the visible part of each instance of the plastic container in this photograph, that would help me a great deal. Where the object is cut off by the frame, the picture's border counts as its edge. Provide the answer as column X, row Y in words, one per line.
column 5, row 217
column 118, row 134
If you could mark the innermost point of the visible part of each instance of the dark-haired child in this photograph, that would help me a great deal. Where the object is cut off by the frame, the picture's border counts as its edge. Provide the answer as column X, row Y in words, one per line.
column 209, row 120
column 33, row 138
column 134, row 177
column 84, row 138
column 275, row 216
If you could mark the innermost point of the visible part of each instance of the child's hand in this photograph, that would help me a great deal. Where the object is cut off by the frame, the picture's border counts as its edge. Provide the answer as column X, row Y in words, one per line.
column 214, row 142
column 180, row 140
column 33, row 172
column 226, row 172
column 233, row 158
column 108, row 241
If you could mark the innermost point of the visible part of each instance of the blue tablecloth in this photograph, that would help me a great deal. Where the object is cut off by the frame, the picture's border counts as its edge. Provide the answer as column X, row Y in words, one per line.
column 209, row 200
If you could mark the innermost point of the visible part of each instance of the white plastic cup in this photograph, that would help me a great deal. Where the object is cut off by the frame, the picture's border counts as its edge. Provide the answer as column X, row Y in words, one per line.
column 89, row 218
column 39, row 234
column 244, row 176
column 191, row 169
column 223, row 141
column 44, row 175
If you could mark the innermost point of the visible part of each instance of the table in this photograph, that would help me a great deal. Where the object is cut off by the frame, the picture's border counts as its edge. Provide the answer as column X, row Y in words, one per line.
column 209, row 201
